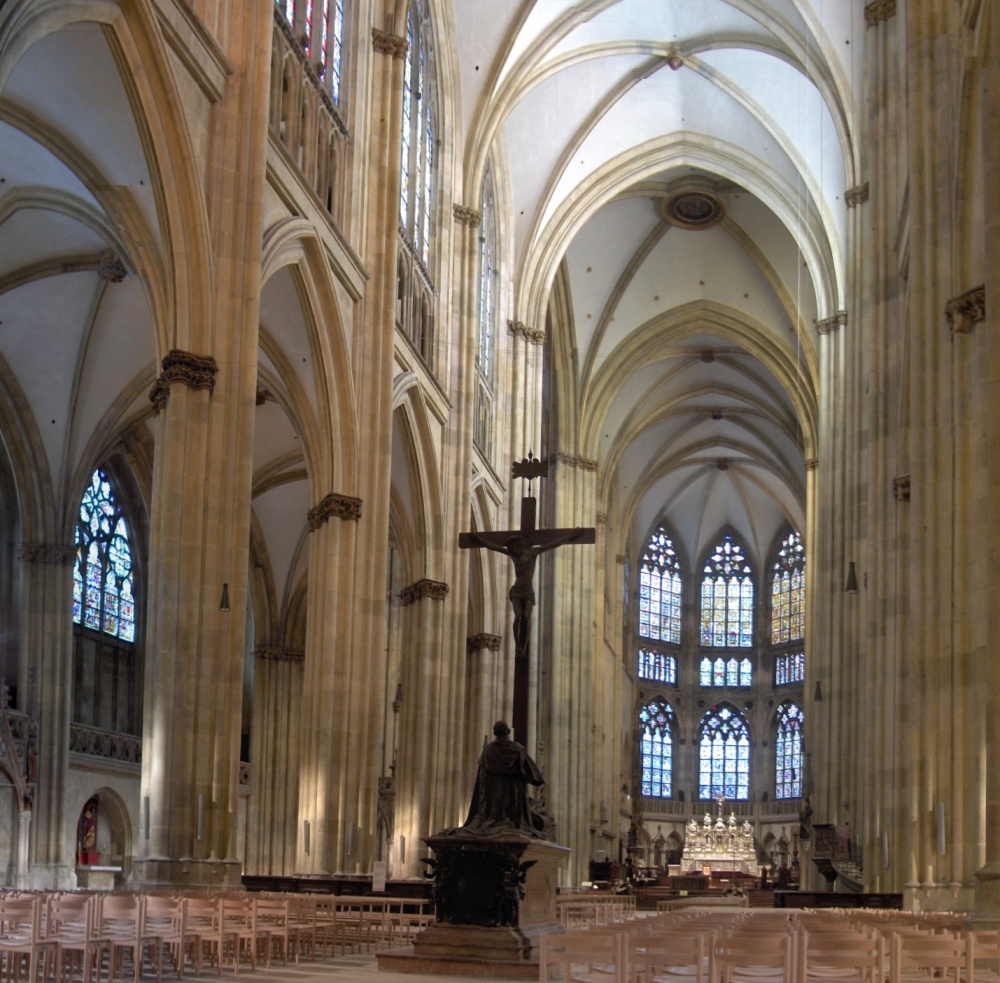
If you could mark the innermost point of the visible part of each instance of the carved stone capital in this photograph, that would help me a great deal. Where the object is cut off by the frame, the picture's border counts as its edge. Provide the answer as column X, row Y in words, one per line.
column 110, row 267
column 879, row 10
column 901, row 488
column 812, row 463
column 966, row 311
column 389, row 44
column 262, row 396
column 434, row 589
column 828, row 324
column 466, row 216
column 534, row 335
column 334, row 506
column 47, row 554
column 574, row 461
column 195, row 371
column 279, row 653
column 477, row 643
column 857, row 195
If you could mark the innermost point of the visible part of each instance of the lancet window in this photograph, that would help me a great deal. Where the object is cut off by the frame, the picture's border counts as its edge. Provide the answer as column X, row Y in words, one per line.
column 656, row 724
column 107, row 674
column 724, row 755
column 489, row 288
column 788, row 752
column 788, row 611
column 318, row 26
column 660, row 590
column 103, row 586
column 727, row 597
column 418, row 158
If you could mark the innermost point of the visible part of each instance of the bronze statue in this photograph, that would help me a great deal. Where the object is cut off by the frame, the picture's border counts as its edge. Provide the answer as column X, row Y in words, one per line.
column 500, row 799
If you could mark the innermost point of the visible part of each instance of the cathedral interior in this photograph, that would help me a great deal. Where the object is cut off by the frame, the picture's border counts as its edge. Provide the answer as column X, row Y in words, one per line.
column 287, row 292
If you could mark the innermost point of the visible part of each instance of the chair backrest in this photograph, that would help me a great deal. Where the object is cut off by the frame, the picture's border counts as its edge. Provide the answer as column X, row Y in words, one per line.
column 558, row 954
column 652, row 955
column 822, row 954
column 942, row 955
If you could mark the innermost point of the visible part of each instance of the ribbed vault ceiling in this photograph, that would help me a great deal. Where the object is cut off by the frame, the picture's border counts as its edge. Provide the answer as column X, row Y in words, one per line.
column 676, row 174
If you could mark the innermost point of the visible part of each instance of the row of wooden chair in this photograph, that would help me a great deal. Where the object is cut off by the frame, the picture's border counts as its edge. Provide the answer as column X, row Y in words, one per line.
column 772, row 946
column 57, row 937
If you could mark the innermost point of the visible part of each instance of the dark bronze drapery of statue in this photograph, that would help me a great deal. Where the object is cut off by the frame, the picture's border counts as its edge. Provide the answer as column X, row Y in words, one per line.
column 500, row 798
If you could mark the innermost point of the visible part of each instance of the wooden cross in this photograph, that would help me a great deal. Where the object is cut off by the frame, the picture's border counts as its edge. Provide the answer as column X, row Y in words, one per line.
column 524, row 546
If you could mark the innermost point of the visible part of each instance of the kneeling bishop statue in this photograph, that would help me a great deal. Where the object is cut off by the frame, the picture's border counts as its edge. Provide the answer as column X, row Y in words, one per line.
column 500, row 798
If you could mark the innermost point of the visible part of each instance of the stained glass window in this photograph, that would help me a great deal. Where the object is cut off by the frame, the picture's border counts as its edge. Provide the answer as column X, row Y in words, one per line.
column 788, row 591
column 789, row 667
column 724, row 755
column 319, row 28
column 656, row 723
column 726, row 672
column 727, row 598
column 658, row 666
column 103, row 595
column 788, row 752
column 660, row 590
column 418, row 163
column 488, row 277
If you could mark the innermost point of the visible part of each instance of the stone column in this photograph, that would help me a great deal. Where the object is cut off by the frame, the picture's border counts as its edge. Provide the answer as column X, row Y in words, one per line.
column 278, row 699
column 985, row 358
column 336, row 717
column 47, row 630
column 569, row 666
column 200, row 514
column 426, row 800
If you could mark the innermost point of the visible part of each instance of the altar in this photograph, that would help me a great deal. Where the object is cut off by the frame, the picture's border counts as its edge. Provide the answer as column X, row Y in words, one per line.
column 722, row 845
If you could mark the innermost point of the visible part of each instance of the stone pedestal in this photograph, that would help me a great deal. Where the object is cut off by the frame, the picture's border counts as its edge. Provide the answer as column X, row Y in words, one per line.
column 494, row 896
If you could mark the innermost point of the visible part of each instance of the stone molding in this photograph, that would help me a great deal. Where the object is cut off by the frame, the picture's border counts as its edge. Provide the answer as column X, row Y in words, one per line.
column 481, row 642
column 279, row 653
column 47, row 554
column 829, row 324
column 575, row 461
column 901, row 488
column 966, row 311
column 195, row 371
column 466, row 216
column 534, row 335
column 812, row 463
column 879, row 10
column 434, row 589
column 334, row 506
column 389, row 44
column 857, row 195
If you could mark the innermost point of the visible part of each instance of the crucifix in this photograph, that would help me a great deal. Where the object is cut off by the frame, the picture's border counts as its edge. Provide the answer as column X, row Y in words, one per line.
column 524, row 546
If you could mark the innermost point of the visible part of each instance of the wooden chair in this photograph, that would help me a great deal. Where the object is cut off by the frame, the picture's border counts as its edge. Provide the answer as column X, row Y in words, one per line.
column 755, row 957
column 239, row 933
column 164, row 920
column 302, row 925
column 271, row 925
column 203, row 930
column 121, row 922
column 673, row 957
column 25, row 955
column 922, row 956
column 842, row 955
column 72, row 923
column 582, row 957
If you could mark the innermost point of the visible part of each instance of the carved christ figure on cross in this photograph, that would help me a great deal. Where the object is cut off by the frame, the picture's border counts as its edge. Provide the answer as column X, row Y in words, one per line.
column 524, row 546
column 524, row 550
